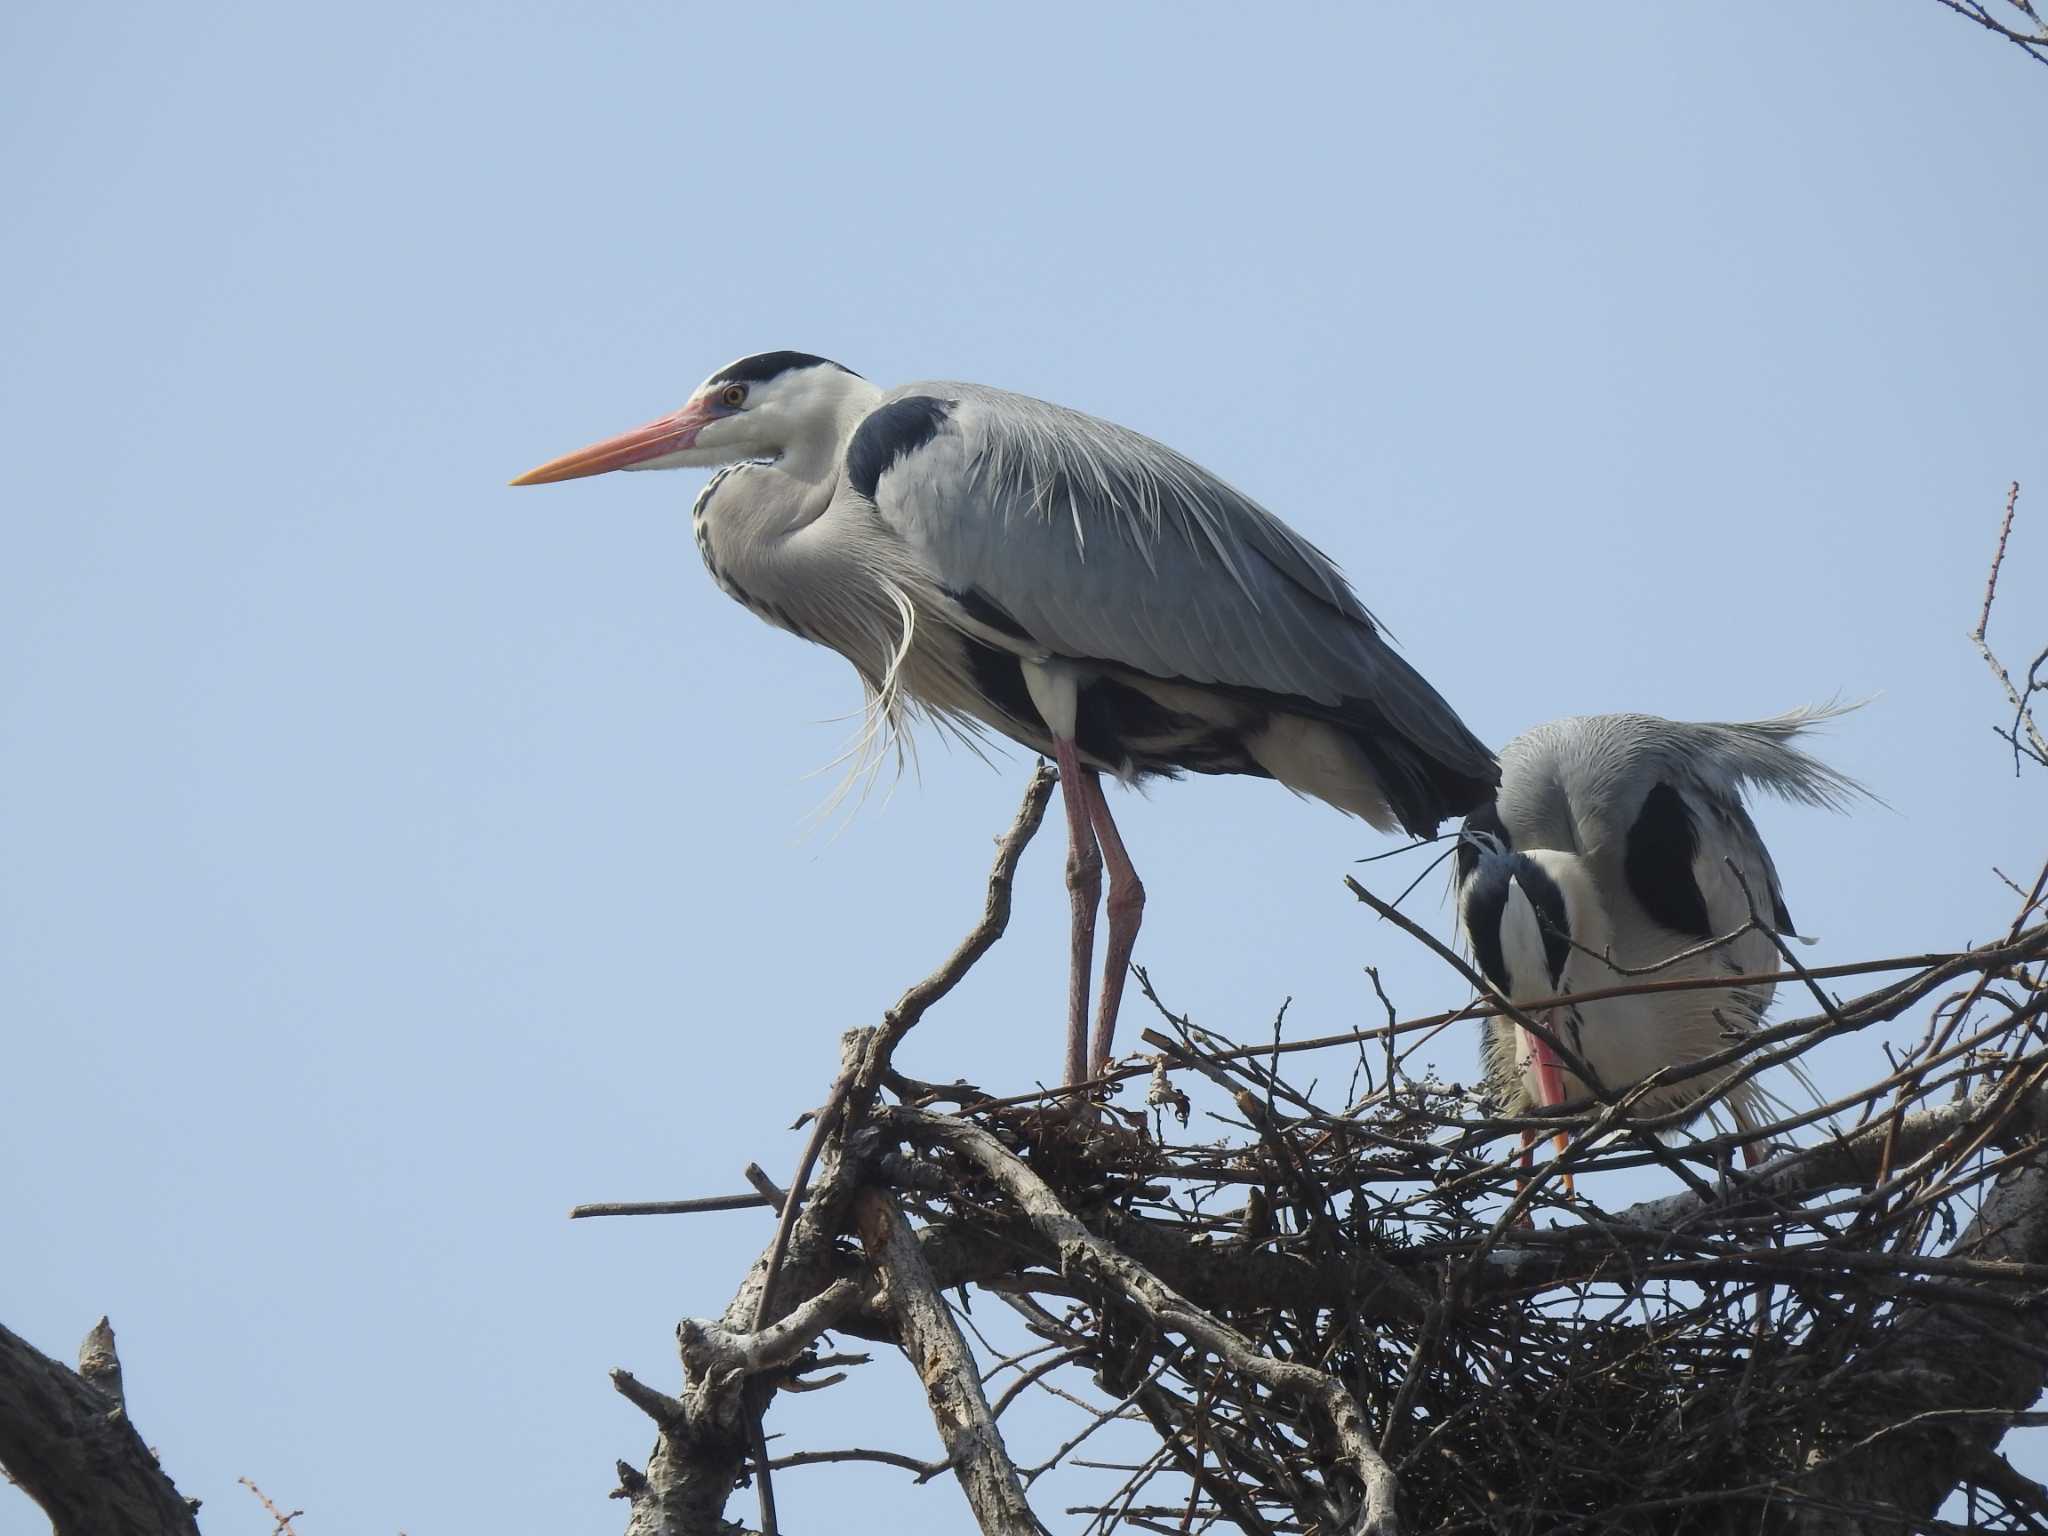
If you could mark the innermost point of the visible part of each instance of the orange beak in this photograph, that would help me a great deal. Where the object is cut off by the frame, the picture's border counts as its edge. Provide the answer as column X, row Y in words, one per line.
column 1550, row 1075
column 657, row 439
column 1549, row 1070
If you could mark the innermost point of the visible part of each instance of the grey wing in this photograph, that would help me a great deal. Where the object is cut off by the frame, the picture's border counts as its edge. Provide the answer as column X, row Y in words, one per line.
column 1067, row 536
column 1668, row 795
column 1759, row 754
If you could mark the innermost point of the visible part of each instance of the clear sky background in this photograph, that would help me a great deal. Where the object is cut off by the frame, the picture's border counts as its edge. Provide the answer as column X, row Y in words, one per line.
column 390, row 860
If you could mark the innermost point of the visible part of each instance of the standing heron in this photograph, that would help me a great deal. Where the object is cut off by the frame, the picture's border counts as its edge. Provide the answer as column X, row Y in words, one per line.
column 1608, row 850
column 988, row 560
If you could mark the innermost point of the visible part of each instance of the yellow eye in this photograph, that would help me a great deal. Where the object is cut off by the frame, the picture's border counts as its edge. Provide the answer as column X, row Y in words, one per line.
column 733, row 395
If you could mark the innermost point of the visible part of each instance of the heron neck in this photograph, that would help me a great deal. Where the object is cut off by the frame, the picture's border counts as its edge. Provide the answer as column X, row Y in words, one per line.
column 747, row 521
column 742, row 516
column 1593, row 934
column 1587, row 918
column 815, row 457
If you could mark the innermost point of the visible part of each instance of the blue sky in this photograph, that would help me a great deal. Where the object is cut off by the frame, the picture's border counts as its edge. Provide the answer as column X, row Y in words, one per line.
column 393, row 859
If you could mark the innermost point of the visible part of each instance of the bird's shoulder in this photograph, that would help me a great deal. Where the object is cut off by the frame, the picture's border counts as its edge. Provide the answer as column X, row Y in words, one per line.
column 903, row 423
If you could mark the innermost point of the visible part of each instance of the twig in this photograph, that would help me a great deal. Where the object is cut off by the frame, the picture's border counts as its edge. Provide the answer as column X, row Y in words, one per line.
column 2032, row 43
column 1484, row 1008
column 283, row 1518
column 668, row 1207
column 2012, row 501
column 925, row 1470
column 1037, row 1373
column 2021, row 700
column 995, row 917
column 771, row 1193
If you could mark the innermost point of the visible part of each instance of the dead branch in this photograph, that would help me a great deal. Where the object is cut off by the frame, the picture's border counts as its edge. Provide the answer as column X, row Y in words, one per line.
column 2024, row 734
column 2018, row 22
column 281, row 1519
column 66, row 1441
column 974, row 1446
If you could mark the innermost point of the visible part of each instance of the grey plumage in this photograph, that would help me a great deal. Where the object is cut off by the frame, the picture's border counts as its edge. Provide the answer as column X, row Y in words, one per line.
column 1577, row 781
column 1634, row 822
column 1103, row 545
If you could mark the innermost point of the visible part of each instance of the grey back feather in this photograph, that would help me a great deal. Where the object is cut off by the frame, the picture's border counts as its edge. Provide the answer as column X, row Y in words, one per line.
column 1577, row 784
column 1104, row 545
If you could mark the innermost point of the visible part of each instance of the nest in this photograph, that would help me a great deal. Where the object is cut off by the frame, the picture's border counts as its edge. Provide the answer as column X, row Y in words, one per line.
column 1365, row 1314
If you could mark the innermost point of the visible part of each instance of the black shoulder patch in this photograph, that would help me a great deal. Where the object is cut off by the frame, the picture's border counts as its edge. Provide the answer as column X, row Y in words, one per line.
column 900, row 427
column 763, row 366
column 1485, row 820
column 1661, row 847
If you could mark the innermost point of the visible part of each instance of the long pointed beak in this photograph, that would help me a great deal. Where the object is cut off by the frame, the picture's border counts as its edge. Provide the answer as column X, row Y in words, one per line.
column 1549, row 1069
column 1550, row 1076
column 657, row 439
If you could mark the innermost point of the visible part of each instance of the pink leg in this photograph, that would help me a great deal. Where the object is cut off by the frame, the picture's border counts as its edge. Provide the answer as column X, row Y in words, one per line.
column 1126, row 908
column 1084, row 891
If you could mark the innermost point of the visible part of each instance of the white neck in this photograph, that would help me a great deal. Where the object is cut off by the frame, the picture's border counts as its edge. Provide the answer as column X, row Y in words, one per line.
column 815, row 447
column 1585, row 915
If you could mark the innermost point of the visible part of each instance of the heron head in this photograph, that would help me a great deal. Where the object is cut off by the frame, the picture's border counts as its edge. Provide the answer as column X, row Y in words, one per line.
column 761, row 407
column 1522, row 911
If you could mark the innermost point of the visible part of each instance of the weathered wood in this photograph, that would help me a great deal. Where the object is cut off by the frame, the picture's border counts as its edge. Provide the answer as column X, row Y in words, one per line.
column 952, row 1384
column 66, row 1441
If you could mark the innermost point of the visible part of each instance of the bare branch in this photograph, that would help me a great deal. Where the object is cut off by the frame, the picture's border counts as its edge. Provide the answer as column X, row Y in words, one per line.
column 2025, row 29
column 65, row 1440
column 2034, row 744
column 995, row 917
column 974, row 1445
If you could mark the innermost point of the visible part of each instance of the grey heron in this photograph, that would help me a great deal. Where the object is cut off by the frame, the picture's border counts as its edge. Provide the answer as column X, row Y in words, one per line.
column 1607, row 851
column 990, row 561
